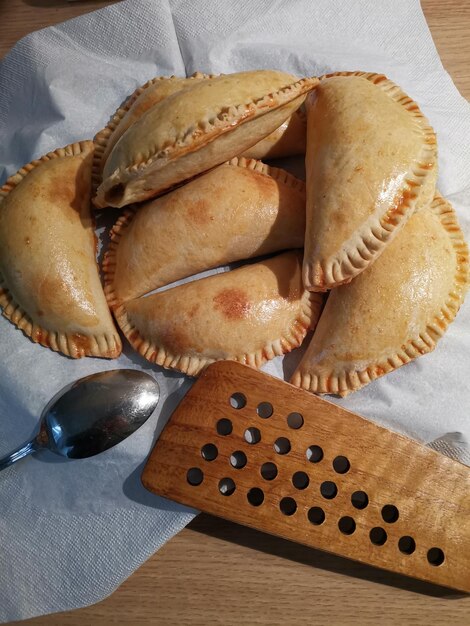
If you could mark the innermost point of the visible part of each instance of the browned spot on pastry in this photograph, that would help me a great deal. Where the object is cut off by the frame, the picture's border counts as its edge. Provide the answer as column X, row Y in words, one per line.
column 233, row 303
column 62, row 191
column 399, row 206
column 40, row 313
column 81, row 342
column 176, row 340
column 379, row 371
column 38, row 336
column 426, row 166
column 194, row 309
column 27, row 240
column 379, row 79
column 199, row 212
column 133, row 336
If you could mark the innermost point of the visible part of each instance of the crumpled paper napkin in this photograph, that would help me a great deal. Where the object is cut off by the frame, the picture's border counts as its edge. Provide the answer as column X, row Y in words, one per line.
column 71, row 532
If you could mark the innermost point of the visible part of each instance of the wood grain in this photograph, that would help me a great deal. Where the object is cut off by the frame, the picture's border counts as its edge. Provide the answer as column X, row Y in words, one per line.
column 404, row 490
column 218, row 572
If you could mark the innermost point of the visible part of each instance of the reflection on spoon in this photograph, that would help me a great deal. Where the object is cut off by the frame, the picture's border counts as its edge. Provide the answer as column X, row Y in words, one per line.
column 93, row 414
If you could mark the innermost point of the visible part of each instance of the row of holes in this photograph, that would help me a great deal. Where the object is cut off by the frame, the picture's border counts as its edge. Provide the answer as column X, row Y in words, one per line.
column 314, row 454
column 316, row 516
column 282, row 445
column 265, row 410
column 300, row 480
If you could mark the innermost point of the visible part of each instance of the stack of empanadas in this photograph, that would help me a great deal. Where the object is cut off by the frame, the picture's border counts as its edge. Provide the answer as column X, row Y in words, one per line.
column 182, row 155
column 378, row 234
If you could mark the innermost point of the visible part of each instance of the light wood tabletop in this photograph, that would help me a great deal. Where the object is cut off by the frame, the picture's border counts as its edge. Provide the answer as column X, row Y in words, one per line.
column 221, row 573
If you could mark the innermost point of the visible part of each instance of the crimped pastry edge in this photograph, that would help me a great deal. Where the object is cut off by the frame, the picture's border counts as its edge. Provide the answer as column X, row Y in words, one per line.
column 348, row 381
column 371, row 239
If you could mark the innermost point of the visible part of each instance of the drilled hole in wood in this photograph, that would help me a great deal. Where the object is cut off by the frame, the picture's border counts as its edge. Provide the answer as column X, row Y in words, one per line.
column 390, row 513
column 341, row 465
column 359, row 499
column 316, row 515
column 314, row 454
column 252, row 435
column 288, row 506
column 378, row 536
column 224, row 427
column 255, row 496
column 209, row 452
column 268, row 471
column 436, row 556
column 265, row 409
column 347, row 525
column 407, row 545
column 226, row 486
column 282, row 445
column 328, row 489
column 300, row 480
column 194, row 476
column 295, row 421
column 238, row 459
column 237, row 400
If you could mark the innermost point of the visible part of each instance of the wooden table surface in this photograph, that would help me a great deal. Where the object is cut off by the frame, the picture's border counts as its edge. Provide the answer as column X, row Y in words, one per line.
column 220, row 573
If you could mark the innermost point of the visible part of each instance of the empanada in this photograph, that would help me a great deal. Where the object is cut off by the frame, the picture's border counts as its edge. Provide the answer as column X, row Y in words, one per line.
column 287, row 140
column 195, row 129
column 395, row 311
column 371, row 155
column 250, row 314
column 49, row 280
column 138, row 103
column 237, row 211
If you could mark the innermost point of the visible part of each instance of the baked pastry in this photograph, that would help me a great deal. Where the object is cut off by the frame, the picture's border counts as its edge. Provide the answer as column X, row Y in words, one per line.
column 371, row 155
column 138, row 103
column 49, row 281
column 250, row 314
column 395, row 311
column 237, row 211
column 287, row 140
column 195, row 129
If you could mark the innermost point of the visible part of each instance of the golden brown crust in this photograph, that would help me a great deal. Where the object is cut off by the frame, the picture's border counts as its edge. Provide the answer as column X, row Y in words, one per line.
column 289, row 139
column 329, row 367
column 102, row 138
column 369, row 240
column 190, row 326
column 78, row 340
column 293, row 235
column 173, row 153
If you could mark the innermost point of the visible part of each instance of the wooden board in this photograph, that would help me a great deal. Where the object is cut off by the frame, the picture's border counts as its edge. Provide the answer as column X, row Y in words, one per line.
column 255, row 450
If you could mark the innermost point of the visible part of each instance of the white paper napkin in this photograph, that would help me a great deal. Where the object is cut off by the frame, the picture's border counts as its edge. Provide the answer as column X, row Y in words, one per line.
column 71, row 532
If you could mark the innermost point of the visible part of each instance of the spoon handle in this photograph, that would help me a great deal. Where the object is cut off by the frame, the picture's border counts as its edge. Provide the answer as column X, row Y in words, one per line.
column 18, row 454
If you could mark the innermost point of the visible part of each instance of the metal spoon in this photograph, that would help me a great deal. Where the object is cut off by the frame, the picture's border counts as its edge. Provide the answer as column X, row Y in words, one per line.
column 93, row 414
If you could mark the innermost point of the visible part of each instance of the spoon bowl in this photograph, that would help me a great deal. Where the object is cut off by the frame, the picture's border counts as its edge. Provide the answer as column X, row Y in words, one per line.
column 93, row 414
